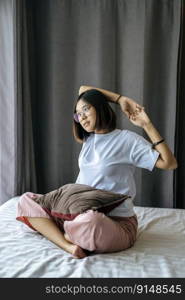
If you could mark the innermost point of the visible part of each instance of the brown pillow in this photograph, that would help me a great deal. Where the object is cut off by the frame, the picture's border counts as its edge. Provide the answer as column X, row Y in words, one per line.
column 73, row 199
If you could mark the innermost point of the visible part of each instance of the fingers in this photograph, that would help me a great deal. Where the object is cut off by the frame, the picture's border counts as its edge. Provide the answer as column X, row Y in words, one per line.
column 135, row 113
column 130, row 112
column 132, row 116
column 139, row 107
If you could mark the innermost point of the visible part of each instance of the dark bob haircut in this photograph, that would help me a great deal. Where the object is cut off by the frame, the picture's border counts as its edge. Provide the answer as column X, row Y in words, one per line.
column 105, row 116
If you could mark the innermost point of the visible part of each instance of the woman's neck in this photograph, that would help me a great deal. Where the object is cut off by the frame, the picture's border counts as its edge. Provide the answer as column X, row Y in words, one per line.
column 102, row 131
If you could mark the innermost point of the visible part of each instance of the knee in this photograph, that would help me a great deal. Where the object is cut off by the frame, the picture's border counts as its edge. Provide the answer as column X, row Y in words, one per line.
column 84, row 221
column 84, row 229
column 95, row 218
column 26, row 195
column 22, row 199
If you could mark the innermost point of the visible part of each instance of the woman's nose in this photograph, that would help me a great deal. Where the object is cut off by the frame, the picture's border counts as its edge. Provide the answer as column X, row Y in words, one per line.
column 83, row 115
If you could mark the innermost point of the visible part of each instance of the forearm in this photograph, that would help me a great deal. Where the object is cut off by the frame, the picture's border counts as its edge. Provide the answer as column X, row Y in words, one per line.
column 165, row 153
column 112, row 97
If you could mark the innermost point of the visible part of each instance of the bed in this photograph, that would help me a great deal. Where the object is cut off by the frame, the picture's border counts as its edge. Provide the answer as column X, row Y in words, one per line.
column 158, row 252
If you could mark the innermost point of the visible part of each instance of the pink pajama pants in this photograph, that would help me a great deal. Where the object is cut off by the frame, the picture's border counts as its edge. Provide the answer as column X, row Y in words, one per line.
column 92, row 230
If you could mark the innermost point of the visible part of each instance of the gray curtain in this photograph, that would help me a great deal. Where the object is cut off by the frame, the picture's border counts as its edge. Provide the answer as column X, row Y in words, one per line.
column 26, row 171
column 8, row 125
column 17, row 163
column 127, row 46
column 179, row 186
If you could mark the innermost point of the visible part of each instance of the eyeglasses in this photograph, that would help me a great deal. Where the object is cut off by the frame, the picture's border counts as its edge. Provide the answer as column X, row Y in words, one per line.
column 85, row 110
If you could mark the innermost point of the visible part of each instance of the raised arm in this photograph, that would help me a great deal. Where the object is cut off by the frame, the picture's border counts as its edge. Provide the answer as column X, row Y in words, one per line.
column 166, row 159
column 112, row 97
column 128, row 105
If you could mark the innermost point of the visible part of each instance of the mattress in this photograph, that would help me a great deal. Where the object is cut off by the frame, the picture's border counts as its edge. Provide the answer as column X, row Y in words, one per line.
column 158, row 251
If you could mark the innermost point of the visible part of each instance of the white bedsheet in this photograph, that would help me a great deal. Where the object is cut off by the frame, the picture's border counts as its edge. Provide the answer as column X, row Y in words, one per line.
column 158, row 252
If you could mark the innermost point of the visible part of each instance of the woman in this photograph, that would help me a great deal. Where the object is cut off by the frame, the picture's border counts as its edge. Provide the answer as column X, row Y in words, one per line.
column 107, row 161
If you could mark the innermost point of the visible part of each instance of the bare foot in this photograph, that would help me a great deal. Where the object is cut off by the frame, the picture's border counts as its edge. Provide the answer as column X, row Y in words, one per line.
column 78, row 252
column 75, row 250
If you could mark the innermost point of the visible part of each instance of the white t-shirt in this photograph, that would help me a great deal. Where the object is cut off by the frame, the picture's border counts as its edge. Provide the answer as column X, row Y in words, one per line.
column 108, row 161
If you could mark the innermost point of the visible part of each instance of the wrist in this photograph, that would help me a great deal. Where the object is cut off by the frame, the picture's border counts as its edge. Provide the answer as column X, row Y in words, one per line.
column 147, row 126
column 122, row 99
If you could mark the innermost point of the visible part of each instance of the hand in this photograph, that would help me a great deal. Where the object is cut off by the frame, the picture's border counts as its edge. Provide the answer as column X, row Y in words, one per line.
column 140, row 118
column 129, row 106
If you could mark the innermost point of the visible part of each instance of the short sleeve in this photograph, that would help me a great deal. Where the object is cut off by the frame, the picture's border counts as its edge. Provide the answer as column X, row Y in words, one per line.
column 78, row 178
column 141, row 153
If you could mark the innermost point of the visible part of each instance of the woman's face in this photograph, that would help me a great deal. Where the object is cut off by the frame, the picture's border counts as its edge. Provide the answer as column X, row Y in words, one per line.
column 86, row 116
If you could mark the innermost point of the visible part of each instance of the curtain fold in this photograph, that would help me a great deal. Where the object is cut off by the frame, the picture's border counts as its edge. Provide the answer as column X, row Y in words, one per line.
column 179, row 187
column 17, row 162
column 24, row 91
column 8, row 136
column 127, row 46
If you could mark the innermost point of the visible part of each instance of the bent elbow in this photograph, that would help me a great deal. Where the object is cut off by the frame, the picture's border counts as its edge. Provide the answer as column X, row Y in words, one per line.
column 173, row 165
column 82, row 89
